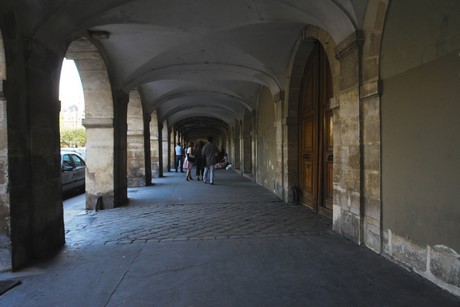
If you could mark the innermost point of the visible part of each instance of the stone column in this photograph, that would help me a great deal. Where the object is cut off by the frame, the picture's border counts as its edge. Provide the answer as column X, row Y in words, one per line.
column 247, row 143
column 147, row 150
column 99, row 162
column 5, row 226
column 120, row 103
column 166, row 148
column 348, row 166
column 161, row 164
column 135, row 142
column 154, row 144
column 34, row 173
column 98, row 122
column 290, row 132
column 236, row 145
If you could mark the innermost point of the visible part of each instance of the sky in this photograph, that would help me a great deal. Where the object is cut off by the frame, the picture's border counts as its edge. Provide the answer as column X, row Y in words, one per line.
column 70, row 89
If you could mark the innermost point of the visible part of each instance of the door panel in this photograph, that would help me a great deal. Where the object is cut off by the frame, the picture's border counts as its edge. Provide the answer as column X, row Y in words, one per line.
column 316, row 134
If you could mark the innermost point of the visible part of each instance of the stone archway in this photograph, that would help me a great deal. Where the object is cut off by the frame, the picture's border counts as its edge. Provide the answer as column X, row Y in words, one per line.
column 290, row 122
column 106, row 178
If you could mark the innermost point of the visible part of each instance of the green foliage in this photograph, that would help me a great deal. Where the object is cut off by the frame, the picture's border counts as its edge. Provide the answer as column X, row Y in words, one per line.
column 73, row 137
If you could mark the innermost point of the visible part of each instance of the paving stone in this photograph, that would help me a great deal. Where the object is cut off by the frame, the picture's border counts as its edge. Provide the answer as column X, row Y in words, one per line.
column 237, row 244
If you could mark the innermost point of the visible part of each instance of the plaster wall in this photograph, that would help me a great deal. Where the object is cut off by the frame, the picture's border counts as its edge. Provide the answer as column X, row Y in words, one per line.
column 266, row 158
column 420, row 145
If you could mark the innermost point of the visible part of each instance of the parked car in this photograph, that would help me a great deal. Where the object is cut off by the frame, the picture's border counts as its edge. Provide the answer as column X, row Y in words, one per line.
column 73, row 170
column 79, row 150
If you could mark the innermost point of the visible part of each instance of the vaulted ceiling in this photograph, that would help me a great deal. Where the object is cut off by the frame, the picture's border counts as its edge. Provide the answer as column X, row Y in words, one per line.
column 199, row 64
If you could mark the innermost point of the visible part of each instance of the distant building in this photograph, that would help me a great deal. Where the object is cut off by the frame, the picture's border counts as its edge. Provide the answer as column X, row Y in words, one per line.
column 71, row 117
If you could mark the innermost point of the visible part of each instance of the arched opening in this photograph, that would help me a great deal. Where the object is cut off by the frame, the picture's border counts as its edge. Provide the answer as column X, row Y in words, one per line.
column 72, row 132
column 316, row 140
column 101, row 179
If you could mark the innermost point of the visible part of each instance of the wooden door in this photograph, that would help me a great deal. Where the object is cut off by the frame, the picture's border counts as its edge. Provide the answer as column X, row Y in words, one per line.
column 316, row 134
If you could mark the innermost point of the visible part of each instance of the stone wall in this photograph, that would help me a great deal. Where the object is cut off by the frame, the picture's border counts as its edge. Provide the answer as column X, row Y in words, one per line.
column 348, row 185
column 37, row 224
column 266, row 139
column 247, row 138
column 5, row 226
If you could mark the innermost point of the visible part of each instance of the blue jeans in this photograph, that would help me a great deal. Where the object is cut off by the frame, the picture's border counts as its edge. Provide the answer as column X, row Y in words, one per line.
column 179, row 163
column 209, row 169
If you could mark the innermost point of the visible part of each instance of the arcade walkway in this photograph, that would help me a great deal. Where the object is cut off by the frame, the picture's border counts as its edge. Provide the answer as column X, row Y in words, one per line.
column 185, row 243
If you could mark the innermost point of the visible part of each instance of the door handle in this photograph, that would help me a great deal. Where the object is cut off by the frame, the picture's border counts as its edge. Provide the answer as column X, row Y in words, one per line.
column 330, row 158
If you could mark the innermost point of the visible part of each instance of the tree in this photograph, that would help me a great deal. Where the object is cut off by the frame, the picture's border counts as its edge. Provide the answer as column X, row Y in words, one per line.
column 73, row 137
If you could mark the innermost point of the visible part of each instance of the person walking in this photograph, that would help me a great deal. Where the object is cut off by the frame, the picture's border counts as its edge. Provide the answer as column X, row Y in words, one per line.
column 209, row 152
column 199, row 162
column 188, row 163
column 179, row 153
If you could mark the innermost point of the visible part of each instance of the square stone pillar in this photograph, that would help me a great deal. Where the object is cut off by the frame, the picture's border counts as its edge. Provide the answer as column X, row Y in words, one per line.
column 34, row 173
column 167, row 149
column 348, row 164
column 5, row 226
column 120, row 129
column 155, row 136
column 99, row 162
column 147, row 151
column 136, row 170
column 106, row 151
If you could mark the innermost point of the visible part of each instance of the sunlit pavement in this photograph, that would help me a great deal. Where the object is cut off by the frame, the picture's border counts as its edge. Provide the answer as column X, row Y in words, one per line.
column 234, row 243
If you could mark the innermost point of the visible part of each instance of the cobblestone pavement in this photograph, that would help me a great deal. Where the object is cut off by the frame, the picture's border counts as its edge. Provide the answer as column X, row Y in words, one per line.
column 234, row 243
column 181, row 222
column 172, row 210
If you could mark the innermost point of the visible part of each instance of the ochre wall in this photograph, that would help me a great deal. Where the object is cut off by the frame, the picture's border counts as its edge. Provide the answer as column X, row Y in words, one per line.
column 420, row 108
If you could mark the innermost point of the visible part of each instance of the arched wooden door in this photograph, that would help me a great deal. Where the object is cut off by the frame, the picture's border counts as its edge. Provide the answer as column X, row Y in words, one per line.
column 316, row 134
